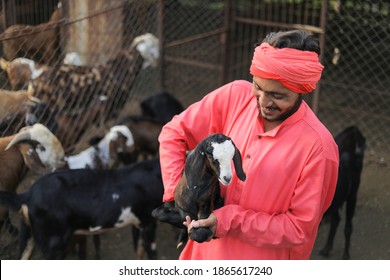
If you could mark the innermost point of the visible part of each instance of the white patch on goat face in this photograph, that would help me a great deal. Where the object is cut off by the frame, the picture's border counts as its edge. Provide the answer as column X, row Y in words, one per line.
column 223, row 153
column 147, row 46
column 126, row 218
column 125, row 131
column 83, row 159
column 53, row 154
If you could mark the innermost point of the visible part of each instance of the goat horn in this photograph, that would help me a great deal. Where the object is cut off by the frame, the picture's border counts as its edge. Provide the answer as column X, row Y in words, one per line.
column 20, row 137
column 237, row 161
column 34, row 99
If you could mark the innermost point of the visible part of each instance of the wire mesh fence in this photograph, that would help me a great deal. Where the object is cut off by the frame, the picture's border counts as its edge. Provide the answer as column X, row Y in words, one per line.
column 108, row 74
column 355, row 86
column 207, row 43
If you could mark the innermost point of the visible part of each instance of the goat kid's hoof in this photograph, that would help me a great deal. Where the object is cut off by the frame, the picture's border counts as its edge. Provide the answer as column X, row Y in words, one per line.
column 200, row 234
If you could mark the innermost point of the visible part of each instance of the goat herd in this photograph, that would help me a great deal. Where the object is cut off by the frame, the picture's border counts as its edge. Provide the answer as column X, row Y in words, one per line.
column 86, row 194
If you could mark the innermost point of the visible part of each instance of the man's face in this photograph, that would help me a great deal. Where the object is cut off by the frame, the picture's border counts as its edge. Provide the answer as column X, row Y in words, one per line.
column 275, row 102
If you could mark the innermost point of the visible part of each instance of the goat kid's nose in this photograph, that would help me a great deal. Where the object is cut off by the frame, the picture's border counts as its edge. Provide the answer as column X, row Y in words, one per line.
column 227, row 179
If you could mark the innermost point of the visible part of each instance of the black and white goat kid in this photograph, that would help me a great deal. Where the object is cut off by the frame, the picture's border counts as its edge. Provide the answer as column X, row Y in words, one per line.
column 198, row 191
column 86, row 202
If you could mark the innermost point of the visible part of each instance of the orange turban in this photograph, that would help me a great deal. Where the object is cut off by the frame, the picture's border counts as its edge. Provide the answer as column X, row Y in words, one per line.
column 297, row 70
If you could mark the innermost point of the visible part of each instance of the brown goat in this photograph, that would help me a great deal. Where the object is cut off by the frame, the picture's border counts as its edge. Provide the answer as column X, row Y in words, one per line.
column 21, row 71
column 71, row 89
column 41, row 38
column 34, row 148
column 13, row 110
column 12, row 101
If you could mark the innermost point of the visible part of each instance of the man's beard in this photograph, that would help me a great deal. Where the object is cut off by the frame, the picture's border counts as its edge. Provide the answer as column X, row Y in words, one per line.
column 284, row 115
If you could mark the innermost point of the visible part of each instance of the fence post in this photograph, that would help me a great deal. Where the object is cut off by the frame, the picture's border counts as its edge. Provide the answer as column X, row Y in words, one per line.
column 160, row 35
column 226, row 42
column 8, row 13
column 316, row 93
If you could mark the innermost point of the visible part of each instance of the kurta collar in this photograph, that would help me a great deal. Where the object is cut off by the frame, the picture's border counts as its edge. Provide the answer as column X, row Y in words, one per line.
column 298, row 115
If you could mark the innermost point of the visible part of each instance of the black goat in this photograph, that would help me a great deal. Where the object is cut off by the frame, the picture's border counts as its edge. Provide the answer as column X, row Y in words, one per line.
column 351, row 144
column 198, row 191
column 161, row 107
column 87, row 201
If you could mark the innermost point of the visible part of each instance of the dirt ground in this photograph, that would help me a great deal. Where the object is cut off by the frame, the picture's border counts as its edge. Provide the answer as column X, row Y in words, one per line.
column 370, row 238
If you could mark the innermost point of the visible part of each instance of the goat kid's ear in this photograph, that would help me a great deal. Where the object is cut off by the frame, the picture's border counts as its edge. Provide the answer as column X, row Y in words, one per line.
column 237, row 161
column 112, row 150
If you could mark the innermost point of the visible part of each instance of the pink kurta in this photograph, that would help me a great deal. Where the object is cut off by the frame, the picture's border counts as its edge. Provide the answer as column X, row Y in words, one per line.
column 291, row 176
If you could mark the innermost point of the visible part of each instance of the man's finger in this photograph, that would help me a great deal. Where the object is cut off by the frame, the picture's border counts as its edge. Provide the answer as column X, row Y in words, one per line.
column 187, row 221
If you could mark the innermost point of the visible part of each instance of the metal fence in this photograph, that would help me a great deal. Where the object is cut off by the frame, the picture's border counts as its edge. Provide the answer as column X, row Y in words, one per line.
column 207, row 43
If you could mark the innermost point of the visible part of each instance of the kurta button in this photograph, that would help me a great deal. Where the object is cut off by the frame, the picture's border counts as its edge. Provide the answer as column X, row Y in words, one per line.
column 248, row 156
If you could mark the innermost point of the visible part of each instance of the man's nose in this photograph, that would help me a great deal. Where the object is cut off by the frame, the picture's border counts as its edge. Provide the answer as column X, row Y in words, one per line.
column 264, row 100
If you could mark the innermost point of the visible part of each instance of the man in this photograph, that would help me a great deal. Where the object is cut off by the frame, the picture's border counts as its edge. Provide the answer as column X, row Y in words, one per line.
column 289, row 157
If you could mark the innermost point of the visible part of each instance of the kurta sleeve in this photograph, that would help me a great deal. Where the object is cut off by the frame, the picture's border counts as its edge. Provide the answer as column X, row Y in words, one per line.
column 185, row 131
column 312, row 196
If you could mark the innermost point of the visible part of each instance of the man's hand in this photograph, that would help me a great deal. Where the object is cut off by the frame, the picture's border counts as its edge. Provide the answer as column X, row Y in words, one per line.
column 210, row 222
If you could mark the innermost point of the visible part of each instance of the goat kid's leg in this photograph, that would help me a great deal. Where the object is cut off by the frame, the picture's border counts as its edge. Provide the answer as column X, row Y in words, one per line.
column 10, row 227
column 96, row 244
column 350, row 211
column 81, row 241
column 183, row 238
column 183, row 233
column 136, row 237
column 26, row 255
column 54, row 248
column 138, row 242
column 334, row 222
column 149, row 240
column 5, row 222
column 202, row 234
column 77, row 245
column 140, row 252
column 26, row 242
column 54, row 241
